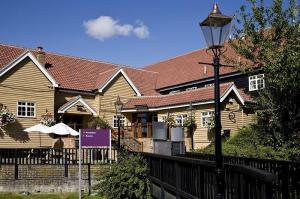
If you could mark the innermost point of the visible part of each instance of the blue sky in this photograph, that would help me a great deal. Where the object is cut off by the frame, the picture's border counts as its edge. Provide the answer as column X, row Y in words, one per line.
column 135, row 32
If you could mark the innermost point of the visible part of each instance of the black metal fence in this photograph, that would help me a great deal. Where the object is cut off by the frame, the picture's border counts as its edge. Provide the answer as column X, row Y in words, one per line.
column 287, row 184
column 195, row 179
column 60, row 156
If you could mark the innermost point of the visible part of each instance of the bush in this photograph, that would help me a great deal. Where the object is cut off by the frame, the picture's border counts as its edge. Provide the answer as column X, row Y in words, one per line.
column 98, row 122
column 249, row 143
column 126, row 179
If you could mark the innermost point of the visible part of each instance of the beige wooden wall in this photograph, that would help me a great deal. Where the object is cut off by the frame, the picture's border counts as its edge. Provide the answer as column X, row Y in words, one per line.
column 62, row 97
column 201, row 134
column 118, row 87
column 25, row 82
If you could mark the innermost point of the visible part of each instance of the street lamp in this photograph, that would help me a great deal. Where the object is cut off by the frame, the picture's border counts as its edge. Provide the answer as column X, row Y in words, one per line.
column 118, row 106
column 190, row 109
column 216, row 28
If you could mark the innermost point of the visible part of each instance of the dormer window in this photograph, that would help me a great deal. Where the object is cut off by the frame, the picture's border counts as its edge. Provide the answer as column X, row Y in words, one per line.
column 175, row 91
column 256, row 82
column 191, row 88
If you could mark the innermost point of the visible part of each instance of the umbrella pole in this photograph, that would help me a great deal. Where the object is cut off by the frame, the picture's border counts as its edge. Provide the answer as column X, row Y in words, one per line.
column 40, row 139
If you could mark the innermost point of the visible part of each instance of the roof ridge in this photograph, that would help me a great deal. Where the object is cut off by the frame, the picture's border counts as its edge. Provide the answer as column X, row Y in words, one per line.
column 141, row 69
column 65, row 55
column 101, row 73
column 177, row 56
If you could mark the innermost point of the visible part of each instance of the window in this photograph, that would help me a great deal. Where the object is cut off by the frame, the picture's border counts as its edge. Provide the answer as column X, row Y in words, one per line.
column 180, row 119
column 209, row 85
column 191, row 88
column 256, row 82
column 163, row 118
column 207, row 118
column 115, row 121
column 26, row 109
column 175, row 91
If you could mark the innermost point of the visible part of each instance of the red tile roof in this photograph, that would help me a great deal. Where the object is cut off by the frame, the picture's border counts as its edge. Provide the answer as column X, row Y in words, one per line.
column 185, row 97
column 186, row 68
column 82, row 74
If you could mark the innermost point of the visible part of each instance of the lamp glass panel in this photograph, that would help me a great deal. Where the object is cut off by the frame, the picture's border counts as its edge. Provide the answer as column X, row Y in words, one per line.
column 207, row 35
column 225, row 33
column 215, row 34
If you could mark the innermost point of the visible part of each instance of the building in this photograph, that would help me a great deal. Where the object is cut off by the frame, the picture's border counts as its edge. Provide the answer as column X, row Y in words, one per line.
column 34, row 82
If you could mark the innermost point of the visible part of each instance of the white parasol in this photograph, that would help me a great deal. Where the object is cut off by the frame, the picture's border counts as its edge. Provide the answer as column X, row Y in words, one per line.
column 62, row 129
column 37, row 128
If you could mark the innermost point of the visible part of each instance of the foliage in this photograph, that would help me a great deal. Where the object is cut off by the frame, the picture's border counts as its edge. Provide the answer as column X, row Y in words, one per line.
column 248, row 142
column 190, row 121
column 45, row 196
column 126, row 179
column 98, row 122
column 269, row 37
column 170, row 120
column 6, row 117
column 47, row 119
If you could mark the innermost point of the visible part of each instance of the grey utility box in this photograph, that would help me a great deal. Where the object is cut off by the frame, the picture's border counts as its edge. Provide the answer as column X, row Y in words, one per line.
column 177, row 134
column 159, row 131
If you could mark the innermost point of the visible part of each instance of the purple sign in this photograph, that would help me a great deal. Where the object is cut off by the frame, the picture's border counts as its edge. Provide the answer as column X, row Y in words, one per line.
column 94, row 138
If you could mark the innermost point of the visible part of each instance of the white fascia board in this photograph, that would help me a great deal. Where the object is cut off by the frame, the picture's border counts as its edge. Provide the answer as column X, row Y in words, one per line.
column 236, row 92
column 35, row 61
column 127, row 79
column 232, row 88
column 171, row 107
column 79, row 100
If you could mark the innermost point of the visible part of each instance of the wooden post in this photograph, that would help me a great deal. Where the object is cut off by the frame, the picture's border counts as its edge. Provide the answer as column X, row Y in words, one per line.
column 16, row 171
column 89, row 178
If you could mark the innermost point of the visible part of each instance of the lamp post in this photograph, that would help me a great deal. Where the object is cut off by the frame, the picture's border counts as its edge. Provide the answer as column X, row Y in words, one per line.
column 216, row 28
column 190, row 109
column 118, row 106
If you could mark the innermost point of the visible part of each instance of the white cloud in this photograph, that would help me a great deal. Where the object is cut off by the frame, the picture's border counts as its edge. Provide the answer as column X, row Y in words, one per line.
column 105, row 27
column 141, row 31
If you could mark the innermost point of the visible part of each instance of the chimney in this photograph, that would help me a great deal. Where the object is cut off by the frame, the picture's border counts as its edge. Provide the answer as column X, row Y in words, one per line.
column 41, row 55
column 205, row 70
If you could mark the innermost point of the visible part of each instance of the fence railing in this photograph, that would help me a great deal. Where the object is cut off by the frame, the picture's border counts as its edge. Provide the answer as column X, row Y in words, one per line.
column 194, row 179
column 287, row 184
column 60, row 156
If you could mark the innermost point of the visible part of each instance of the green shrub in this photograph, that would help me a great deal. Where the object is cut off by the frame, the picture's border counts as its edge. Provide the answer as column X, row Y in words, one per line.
column 126, row 179
column 248, row 142
column 98, row 122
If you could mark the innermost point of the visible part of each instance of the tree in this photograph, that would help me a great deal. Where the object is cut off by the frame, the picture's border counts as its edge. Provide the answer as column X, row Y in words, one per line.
column 270, row 38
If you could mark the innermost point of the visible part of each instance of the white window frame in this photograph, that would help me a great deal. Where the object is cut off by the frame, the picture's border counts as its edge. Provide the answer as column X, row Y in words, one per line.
column 205, row 117
column 115, row 121
column 26, row 106
column 180, row 119
column 259, row 78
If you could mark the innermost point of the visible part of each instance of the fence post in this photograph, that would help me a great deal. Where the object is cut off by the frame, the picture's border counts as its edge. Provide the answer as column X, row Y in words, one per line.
column 162, row 190
column 66, row 163
column 16, row 171
column 285, row 181
column 89, row 177
column 178, row 178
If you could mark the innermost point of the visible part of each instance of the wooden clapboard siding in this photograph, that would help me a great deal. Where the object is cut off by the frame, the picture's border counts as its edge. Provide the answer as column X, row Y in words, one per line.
column 25, row 82
column 118, row 87
column 63, row 97
column 201, row 134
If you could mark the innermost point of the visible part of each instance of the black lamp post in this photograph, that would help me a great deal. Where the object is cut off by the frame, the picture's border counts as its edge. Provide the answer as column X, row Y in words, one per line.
column 190, row 109
column 216, row 28
column 118, row 106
